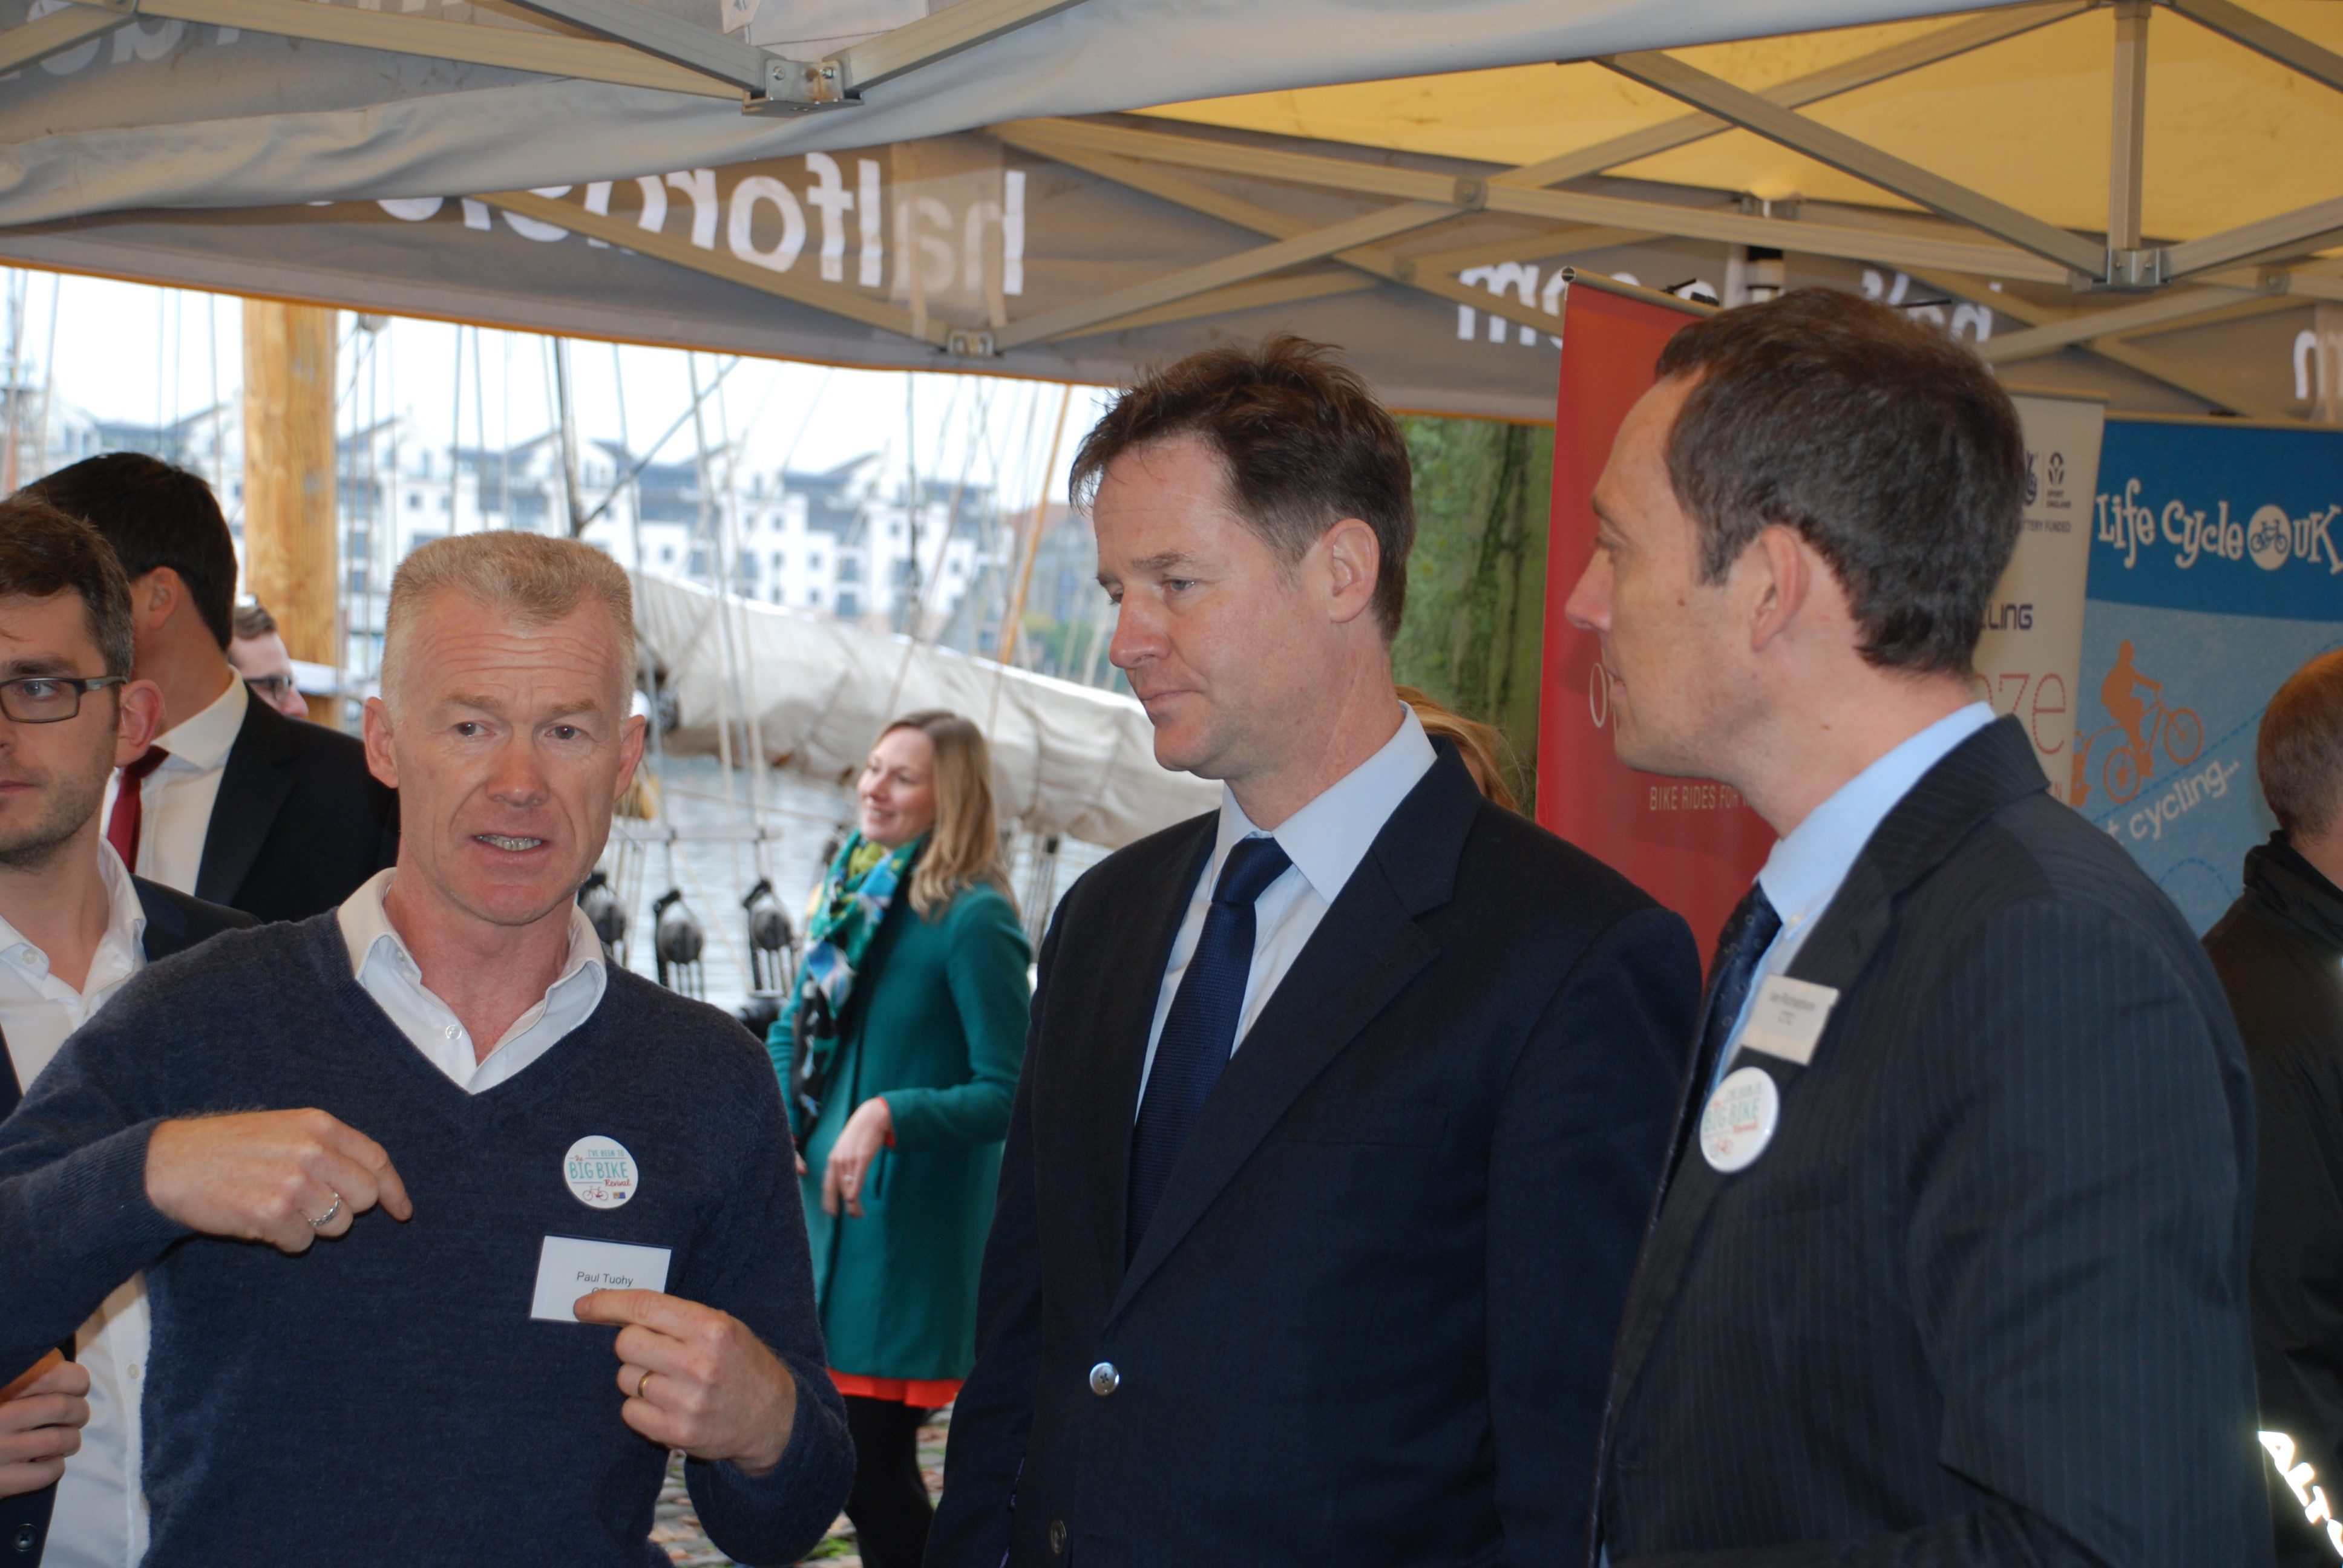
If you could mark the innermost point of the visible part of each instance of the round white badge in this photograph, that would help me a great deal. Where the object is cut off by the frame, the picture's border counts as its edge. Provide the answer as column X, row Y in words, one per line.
column 1739, row 1120
column 601, row 1172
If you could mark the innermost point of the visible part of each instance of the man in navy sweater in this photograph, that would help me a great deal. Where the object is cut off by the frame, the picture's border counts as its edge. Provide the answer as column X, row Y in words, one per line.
column 591, row 1249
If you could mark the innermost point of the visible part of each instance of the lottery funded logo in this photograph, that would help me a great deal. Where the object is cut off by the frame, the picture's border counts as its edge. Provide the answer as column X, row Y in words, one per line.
column 599, row 1172
column 1738, row 1121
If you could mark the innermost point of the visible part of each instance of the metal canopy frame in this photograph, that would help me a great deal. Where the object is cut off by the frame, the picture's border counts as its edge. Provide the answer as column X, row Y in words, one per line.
column 1972, row 241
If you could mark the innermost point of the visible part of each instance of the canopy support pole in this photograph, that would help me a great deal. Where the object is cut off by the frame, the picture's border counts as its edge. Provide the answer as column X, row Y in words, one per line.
column 2129, row 132
column 291, row 543
column 2266, row 38
column 1664, row 73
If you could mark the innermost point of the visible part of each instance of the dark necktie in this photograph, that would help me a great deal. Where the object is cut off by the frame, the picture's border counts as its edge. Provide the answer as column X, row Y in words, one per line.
column 121, row 826
column 1200, row 1030
column 1743, row 941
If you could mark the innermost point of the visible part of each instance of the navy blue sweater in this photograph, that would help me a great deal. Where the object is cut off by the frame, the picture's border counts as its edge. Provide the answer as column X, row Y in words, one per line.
column 385, row 1397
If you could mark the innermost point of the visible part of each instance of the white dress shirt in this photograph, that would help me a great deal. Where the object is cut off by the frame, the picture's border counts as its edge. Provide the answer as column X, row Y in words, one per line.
column 1326, row 839
column 389, row 973
column 1803, row 873
column 175, row 800
column 101, row 1515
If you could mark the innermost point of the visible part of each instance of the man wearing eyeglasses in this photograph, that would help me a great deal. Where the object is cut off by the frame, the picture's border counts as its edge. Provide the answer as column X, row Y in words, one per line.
column 75, row 925
column 231, row 801
column 259, row 655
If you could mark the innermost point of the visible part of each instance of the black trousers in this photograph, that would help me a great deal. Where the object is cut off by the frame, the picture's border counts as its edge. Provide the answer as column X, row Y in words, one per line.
column 889, row 1504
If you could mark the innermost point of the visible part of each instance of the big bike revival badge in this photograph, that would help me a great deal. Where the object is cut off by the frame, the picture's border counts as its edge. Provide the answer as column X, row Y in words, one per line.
column 599, row 1172
column 1739, row 1119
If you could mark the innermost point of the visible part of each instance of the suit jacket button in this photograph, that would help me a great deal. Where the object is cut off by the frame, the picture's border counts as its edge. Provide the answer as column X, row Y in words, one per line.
column 1104, row 1378
column 1057, row 1537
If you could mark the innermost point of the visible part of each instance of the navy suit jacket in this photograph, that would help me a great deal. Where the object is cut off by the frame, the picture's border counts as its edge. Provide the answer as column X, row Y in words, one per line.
column 175, row 922
column 1371, row 1320
column 298, row 823
column 1982, row 1298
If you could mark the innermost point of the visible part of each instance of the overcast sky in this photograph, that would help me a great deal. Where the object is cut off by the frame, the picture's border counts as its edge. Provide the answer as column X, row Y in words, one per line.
column 126, row 351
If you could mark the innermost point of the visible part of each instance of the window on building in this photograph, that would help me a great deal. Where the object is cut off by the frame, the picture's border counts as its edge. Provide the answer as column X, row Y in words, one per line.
column 414, row 501
column 780, row 559
column 667, row 554
column 849, row 569
column 849, row 604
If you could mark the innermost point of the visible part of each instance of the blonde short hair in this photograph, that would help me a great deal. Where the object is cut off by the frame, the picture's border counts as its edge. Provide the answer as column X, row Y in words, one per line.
column 535, row 580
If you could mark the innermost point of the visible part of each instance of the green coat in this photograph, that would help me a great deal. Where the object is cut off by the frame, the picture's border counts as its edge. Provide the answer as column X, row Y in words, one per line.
column 936, row 1024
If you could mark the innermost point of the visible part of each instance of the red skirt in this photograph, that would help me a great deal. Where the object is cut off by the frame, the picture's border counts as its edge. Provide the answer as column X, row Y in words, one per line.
column 924, row 1393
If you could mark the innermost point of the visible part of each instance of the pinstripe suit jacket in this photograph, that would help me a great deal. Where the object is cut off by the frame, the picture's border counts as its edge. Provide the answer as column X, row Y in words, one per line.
column 1984, row 1298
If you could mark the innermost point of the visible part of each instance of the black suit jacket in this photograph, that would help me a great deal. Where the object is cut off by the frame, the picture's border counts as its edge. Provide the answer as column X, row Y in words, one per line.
column 2279, row 954
column 298, row 823
column 175, row 922
column 1369, row 1323
column 1984, row 1298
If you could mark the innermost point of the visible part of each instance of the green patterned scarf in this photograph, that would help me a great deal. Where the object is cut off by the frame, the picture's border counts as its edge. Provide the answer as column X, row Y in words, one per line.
column 861, row 882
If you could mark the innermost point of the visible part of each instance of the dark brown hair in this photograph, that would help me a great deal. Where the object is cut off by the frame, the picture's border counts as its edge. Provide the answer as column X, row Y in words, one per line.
column 1889, row 447
column 251, row 620
column 1304, row 442
column 154, row 515
column 44, row 551
column 2299, row 750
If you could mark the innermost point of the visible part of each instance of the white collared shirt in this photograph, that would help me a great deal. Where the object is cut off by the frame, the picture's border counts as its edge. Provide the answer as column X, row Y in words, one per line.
column 1326, row 839
column 389, row 974
column 175, row 800
column 1805, row 870
column 101, row 1515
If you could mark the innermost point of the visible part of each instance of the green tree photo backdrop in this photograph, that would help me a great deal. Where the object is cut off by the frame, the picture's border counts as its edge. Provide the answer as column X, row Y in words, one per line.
column 1476, row 581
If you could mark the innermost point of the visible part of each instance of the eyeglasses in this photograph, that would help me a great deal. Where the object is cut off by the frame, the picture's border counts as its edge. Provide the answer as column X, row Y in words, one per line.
column 271, row 687
column 49, row 698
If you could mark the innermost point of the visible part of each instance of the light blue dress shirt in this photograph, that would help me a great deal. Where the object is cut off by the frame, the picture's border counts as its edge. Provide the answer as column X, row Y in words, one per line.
column 1803, row 873
column 1326, row 839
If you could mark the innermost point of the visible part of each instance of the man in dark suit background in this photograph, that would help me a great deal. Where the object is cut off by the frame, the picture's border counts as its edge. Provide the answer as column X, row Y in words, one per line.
column 75, row 926
column 1342, row 1107
column 234, row 802
column 2279, row 953
column 1951, row 1265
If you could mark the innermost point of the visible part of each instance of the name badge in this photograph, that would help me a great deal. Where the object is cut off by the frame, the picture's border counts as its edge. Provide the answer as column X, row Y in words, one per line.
column 569, row 1267
column 1787, row 1018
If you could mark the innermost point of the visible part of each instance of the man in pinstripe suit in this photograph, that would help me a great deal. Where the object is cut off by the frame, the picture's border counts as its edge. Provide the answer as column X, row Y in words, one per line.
column 1949, row 1266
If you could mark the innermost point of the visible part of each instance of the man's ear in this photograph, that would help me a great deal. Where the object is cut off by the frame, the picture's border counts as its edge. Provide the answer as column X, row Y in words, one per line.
column 375, row 724
column 155, row 598
column 1353, row 566
column 139, row 718
column 631, row 737
column 1773, row 582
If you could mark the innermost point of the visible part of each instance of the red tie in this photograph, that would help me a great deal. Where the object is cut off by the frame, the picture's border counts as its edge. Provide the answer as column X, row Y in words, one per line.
column 122, row 828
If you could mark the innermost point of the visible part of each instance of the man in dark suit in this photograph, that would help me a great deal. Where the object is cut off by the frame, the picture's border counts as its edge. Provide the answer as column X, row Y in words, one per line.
column 1951, row 1263
column 1343, row 1106
column 75, row 926
column 2279, row 954
column 234, row 802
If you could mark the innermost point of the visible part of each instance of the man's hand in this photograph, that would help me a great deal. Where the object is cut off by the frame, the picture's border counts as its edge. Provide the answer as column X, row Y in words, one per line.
column 858, row 1141
column 264, row 1176
column 697, row 1378
column 40, row 1417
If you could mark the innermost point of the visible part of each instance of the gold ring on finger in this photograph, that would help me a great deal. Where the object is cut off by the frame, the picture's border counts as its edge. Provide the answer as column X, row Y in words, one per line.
column 640, row 1384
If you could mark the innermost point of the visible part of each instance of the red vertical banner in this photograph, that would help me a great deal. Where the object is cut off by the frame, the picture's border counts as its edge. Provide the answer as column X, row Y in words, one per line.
column 1693, row 845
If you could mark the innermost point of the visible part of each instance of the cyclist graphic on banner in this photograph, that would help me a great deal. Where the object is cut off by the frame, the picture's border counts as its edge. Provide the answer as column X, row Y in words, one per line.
column 2144, row 722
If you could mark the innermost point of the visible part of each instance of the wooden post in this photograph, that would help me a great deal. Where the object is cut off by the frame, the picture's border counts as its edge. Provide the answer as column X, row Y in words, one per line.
column 291, row 532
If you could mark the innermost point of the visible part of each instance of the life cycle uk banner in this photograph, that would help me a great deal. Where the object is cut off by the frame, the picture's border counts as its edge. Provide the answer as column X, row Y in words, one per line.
column 2029, row 660
column 2216, row 571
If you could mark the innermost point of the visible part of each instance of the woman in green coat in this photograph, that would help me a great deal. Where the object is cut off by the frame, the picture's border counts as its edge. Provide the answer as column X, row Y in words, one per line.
column 898, row 1058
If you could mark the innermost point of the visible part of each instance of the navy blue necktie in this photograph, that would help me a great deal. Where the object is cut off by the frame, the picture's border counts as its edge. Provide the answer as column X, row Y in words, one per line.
column 1746, row 935
column 1200, row 1030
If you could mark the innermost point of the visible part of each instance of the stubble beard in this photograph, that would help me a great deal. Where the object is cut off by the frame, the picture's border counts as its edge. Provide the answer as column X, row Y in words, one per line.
column 35, row 845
